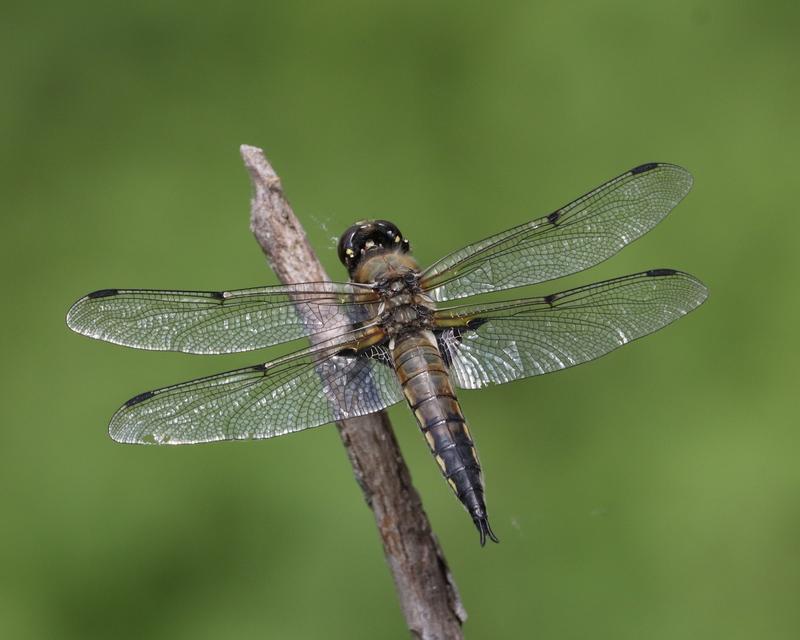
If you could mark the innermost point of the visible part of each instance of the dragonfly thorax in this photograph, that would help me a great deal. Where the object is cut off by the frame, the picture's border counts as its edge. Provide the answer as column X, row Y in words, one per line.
column 404, row 314
column 404, row 307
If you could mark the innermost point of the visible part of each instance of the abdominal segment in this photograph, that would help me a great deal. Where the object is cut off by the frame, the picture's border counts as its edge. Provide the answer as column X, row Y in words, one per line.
column 426, row 385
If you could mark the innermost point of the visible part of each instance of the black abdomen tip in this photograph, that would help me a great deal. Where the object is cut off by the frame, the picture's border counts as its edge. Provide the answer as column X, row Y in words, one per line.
column 642, row 168
column 484, row 529
column 103, row 293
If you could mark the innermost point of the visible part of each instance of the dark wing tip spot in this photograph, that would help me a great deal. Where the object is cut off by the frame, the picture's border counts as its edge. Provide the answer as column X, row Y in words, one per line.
column 654, row 273
column 140, row 398
column 102, row 293
column 219, row 295
column 642, row 168
column 553, row 217
column 549, row 299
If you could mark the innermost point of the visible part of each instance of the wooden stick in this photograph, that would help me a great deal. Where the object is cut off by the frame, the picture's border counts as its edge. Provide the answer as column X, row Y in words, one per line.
column 428, row 595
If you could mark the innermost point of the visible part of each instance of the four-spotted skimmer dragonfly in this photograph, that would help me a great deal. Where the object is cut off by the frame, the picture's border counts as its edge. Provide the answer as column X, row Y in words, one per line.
column 392, row 333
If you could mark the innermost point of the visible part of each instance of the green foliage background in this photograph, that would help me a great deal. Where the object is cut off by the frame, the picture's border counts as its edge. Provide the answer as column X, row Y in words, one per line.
column 652, row 494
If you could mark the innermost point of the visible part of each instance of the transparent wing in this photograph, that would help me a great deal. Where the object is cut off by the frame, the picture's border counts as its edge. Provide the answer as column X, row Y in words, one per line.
column 309, row 388
column 217, row 321
column 501, row 342
column 577, row 236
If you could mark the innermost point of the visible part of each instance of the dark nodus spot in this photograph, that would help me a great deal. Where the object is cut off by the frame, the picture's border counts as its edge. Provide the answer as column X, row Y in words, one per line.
column 642, row 168
column 661, row 272
column 347, row 353
column 140, row 398
column 103, row 293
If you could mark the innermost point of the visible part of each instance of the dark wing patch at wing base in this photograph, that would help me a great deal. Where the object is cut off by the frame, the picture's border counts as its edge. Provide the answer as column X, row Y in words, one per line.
column 303, row 390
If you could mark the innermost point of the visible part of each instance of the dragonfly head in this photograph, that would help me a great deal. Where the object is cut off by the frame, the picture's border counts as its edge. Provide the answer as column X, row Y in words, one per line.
column 367, row 236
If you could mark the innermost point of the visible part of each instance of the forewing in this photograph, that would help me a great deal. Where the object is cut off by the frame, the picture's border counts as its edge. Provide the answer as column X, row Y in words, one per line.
column 498, row 343
column 585, row 232
column 313, row 387
column 217, row 321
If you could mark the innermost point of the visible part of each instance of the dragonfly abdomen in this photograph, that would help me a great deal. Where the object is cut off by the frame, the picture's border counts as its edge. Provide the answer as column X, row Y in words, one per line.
column 429, row 392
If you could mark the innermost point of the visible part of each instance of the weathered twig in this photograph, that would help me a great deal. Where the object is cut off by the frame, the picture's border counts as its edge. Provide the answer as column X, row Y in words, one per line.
column 427, row 592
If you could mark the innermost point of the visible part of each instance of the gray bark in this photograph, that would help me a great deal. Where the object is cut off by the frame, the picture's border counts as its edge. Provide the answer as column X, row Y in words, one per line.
column 428, row 595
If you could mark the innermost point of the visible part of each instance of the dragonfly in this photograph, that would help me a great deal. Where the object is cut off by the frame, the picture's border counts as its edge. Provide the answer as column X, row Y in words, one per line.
column 397, row 332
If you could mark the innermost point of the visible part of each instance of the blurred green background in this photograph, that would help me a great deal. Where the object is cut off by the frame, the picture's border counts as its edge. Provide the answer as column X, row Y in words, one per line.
column 652, row 494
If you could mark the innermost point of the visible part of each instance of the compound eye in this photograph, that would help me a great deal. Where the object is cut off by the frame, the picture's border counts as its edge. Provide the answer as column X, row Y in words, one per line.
column 347, row 249
column 364, row 237
column 390, row 234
